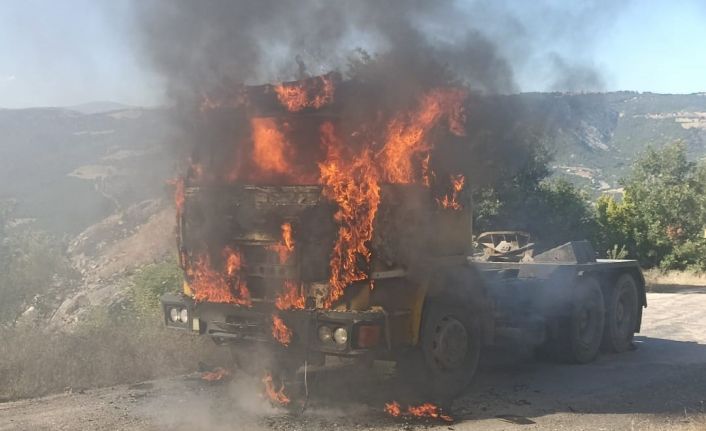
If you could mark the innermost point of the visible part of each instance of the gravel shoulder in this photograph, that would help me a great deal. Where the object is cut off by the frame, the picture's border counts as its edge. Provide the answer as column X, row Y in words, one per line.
column 662, row 384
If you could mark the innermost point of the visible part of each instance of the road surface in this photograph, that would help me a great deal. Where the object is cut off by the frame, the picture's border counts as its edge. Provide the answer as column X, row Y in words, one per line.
column 661, row 384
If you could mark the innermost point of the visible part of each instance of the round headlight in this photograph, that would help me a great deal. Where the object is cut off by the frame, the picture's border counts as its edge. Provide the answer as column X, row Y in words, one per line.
column 173, row 314
column 325, row 334
column 184, row 315
column 340, row 335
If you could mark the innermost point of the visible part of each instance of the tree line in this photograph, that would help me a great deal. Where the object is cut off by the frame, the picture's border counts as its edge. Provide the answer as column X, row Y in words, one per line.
column 659, row 219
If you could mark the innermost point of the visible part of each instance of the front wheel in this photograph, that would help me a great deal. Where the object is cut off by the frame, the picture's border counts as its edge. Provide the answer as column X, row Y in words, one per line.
column 450, row 348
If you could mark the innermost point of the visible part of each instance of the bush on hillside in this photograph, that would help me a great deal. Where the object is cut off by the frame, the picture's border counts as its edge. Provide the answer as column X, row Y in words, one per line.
column 31, row 262
column 153, row 281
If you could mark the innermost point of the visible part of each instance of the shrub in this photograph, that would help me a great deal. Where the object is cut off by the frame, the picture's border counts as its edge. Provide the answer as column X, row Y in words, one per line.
column 151, row 282
column 31, row 262
column 661, row 216
column 105, row 350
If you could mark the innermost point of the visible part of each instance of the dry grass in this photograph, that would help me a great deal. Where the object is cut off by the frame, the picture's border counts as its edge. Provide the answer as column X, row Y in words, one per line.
column 656, row 279
column 103, row 353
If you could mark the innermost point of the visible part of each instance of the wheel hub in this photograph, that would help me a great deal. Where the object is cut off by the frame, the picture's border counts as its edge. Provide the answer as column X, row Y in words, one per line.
column 450, row 344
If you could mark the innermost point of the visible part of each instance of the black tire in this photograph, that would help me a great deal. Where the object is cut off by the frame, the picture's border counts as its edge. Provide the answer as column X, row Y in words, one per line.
column 622, row 310
column 581, row 332
column 450, row 348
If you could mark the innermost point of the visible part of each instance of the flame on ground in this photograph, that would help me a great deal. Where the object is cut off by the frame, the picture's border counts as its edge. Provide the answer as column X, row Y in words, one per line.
column 274, row 395
column 426, row 410
column 280, row 331
column 393, row 409
column 216, row 374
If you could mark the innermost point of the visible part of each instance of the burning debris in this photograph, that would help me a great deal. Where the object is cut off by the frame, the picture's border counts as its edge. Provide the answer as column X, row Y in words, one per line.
column 421, row 411
column 217, row 374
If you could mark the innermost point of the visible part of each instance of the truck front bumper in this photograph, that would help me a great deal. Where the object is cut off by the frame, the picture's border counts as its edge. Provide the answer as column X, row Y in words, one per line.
column 365, row 331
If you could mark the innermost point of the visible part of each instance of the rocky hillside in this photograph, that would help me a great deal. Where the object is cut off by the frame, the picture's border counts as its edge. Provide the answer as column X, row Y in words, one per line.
column 69, row 170
column 97, row 182
column 598, row 136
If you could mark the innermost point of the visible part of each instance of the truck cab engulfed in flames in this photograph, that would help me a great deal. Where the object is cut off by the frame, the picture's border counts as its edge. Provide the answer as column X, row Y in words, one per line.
column 314, row 224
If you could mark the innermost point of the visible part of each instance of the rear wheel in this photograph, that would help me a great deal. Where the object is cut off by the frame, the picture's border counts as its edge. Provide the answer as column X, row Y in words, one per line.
column 450, row 349
column 581, row 332
column 622, row 308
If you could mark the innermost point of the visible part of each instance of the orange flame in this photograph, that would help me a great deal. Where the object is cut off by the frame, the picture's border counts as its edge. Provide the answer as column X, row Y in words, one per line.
column 407, row 134
column 353, row 185
column 426, row 410
column 216, row 374
column 211, row 285
column 451, row 201
column 393, row 409
column 285, row 248
column 427, row 173
column 350, row 174
column 270, row 148
column 280, row 331
column 312, row 93
column 179, row 195
column 291, row 298
column 276, row 396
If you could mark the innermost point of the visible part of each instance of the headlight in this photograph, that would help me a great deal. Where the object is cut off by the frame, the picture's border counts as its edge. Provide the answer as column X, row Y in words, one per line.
column 340, row 335
column 173, row 314
column 184, row 315
column 325, row 334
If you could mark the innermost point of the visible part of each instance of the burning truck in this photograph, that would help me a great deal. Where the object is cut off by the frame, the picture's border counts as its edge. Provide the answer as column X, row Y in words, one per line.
column 314, row 224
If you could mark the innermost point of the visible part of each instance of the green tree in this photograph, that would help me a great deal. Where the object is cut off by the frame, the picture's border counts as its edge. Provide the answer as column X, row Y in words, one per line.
column 552, row 211
column 661, row 216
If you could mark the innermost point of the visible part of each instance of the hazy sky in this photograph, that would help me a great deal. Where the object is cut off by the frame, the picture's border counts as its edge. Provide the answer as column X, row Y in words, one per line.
column 65, row 52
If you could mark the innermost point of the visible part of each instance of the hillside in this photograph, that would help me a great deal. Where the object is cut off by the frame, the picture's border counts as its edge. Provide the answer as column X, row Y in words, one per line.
column 69, row 170
column 598, row 136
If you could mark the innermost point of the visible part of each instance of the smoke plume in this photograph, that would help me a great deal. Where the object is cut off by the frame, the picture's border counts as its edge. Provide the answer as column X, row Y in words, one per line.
column 198, row 45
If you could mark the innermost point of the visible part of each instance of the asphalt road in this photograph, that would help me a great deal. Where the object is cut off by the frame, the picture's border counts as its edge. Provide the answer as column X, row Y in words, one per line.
column 661, row 384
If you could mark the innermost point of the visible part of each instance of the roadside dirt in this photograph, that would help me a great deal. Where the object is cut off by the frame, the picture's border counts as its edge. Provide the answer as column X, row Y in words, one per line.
column 662, row 384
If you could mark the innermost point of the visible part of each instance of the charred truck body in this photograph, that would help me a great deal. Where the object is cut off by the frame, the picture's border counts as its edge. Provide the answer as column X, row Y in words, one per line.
column 332, row 230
